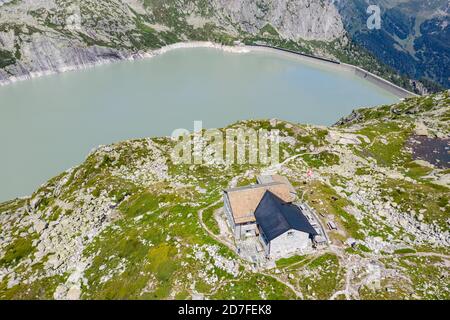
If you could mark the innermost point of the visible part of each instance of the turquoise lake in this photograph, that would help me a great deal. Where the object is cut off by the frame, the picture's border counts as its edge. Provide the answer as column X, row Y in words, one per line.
column 50, row 124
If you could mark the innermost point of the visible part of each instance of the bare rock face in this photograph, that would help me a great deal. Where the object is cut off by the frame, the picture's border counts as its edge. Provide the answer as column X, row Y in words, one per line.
column 292, row 19
column 46, row 36
column 41, row 55
column 4, row 1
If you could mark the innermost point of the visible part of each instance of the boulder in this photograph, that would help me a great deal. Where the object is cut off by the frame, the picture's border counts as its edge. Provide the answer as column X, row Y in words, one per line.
column 74, row 293
column 421, row 129
column 40, row 226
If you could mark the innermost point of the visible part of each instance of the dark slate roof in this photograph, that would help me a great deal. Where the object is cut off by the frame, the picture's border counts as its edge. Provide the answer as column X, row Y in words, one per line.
column 276, row 217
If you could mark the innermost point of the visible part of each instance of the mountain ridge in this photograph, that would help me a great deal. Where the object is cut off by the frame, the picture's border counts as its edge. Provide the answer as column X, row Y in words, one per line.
column 413, row 38
column 46, row 36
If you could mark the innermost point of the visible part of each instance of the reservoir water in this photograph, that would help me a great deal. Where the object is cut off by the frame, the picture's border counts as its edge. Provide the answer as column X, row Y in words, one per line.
column 51, row 123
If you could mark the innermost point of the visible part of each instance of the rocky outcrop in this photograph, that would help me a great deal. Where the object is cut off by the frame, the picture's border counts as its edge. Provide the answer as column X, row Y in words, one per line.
column 44, row 56
column 292, row 19
column 43, row 37
column 2, row 2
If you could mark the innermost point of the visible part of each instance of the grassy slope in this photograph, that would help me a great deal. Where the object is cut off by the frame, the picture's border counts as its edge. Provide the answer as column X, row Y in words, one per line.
column 150, row 249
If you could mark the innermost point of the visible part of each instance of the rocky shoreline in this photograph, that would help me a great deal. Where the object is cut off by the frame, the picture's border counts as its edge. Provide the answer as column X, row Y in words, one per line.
column 96, row 56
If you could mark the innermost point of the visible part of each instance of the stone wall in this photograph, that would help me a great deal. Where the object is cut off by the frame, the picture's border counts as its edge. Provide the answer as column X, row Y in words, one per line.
column 289, row 243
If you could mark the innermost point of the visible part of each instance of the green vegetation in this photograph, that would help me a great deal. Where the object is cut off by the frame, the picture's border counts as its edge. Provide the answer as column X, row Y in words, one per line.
column 148, row 253
column 268, row 29
column 324, row 278
column 209, row 220
column 363, row 248
column 325, row 200
column 404, row 251
column 354, row 54
column 322, row 159
column 426, row 274
column 427, row 198
column 6, row 58
column 19, row 249
column 416, row 171
column 390, row 289
column 140, row 256
column 387, row 142
column 286, row 262
column 254, row 287
column 11, row 206
column 40, row 289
